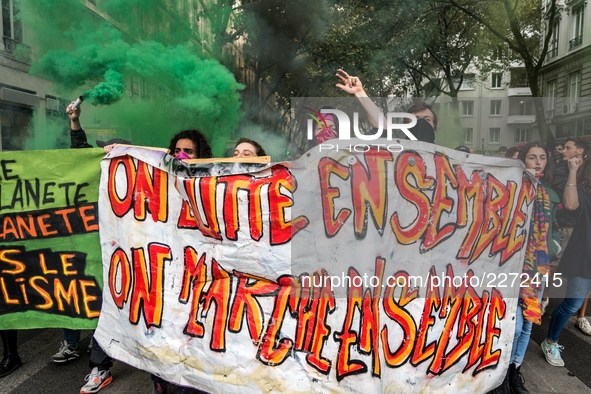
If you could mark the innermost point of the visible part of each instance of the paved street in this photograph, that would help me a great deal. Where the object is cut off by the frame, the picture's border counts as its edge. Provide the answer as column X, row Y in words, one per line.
column 38, row 375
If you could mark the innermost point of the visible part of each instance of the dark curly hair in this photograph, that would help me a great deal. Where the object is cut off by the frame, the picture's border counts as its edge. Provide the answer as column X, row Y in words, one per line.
column 258, row 148
column 202, row 148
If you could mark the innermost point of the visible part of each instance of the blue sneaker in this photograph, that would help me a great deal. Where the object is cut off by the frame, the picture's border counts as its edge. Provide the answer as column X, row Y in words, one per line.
column 552, row 353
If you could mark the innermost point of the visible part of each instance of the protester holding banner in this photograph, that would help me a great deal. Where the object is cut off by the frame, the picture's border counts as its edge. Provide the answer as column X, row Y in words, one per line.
column 187, row 144
column 576, row 259
column 540, row 249
column 245, row 147
column 190, row 144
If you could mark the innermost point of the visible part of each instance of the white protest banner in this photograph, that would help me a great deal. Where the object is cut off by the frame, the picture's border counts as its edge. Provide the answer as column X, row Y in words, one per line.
column 344, row 271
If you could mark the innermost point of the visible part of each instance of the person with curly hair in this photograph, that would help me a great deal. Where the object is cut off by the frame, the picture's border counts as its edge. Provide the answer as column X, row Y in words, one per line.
column 190, row 144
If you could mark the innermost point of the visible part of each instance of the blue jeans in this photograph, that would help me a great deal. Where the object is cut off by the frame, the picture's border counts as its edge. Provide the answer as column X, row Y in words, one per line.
column 576, row 293
column 522, row 333
column 521, row 339
column 72, row 336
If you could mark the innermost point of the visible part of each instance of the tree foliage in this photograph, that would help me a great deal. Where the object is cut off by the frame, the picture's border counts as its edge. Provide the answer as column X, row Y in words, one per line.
column 518, row 24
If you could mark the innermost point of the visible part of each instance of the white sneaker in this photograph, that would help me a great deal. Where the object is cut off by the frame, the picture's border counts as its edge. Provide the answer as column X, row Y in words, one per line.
column 96, row 380
column 584, row 325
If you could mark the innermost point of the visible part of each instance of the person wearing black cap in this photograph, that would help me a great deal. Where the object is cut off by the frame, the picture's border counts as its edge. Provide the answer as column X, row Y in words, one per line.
column 463, row 148
column 112, row 141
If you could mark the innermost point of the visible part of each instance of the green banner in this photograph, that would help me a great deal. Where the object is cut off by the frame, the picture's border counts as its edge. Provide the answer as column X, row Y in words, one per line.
column 50, row 255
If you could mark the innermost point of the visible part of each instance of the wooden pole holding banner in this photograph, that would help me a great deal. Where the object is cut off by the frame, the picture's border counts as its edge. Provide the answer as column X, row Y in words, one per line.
column 254, row 160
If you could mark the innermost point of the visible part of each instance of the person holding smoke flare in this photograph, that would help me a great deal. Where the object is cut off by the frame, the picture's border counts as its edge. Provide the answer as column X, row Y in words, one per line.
column 187, row 144
column 68, row 350
column 100, row 363
column 539, row 250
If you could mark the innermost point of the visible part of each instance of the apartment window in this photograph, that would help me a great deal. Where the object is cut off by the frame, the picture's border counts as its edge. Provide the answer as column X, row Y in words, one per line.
column 468, row 135
column 522, row 135
column 14, row 124
column 495, row 108
column 467, row 108
column 519, row 78
column 525, row 107
column 499, row 52
column 144, row 90
column 448, row 109
column 553, row 45
column 577, row 32
column 496, row 80
column 551, row 95
column 494, row 135
column 12, row 28
column 468, row 82
column 574, row 88
column 134, row 87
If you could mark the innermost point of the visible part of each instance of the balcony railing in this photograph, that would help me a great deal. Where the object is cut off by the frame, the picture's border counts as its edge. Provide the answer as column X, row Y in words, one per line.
column 10, row 44
column 552, row 53
column 17, row 49
column 575, row 42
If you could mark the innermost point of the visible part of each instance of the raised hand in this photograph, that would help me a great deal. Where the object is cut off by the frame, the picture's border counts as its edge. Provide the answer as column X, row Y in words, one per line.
column 349, row 84
column 73, row 114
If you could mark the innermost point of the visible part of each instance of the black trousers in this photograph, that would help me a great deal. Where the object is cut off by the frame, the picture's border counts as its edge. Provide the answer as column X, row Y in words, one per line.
column 9, row 341
column 98, row 357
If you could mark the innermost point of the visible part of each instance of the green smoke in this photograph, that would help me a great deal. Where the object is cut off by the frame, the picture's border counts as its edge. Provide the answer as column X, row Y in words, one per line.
column 145, row 90
column 108, row 91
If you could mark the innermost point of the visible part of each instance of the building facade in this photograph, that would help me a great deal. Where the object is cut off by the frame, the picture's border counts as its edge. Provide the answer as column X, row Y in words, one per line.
column 490, row 111
column 29, row 103
column 566, row 74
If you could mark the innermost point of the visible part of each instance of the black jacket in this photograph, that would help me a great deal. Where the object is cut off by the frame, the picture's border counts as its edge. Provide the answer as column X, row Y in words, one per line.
column 78, row 139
